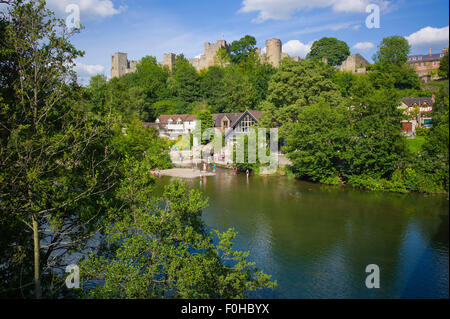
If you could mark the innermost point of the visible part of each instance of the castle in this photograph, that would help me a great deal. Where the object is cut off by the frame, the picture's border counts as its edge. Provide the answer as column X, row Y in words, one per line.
column 274, row 54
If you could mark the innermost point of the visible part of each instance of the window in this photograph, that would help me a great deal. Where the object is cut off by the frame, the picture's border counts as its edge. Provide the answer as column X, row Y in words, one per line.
column 245, row 124
column 225, row 124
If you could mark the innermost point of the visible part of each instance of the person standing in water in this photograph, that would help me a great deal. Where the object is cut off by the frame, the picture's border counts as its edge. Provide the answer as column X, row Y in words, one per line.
column 248, row 173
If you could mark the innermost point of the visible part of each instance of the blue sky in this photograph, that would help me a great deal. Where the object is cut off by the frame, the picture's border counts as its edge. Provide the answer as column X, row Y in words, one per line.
column 154, row 27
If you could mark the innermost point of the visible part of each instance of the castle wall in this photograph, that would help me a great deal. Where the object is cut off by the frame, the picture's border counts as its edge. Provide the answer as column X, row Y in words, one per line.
column 355, row 64
column 274, row 51
column 169, row 60
column 120, row 65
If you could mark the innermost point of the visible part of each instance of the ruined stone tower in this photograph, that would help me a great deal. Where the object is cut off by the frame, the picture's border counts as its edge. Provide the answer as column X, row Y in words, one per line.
column 274, row 51
column 207, row 59
column 169, row 60
column 120, row 65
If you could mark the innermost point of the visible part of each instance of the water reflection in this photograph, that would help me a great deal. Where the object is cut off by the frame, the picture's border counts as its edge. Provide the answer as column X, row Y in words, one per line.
column 316, row 240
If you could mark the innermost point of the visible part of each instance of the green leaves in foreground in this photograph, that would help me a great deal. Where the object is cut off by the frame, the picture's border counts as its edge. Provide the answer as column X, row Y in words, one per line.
column 164, row 252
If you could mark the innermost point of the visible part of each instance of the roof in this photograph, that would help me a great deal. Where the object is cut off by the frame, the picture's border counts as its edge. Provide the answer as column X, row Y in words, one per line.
column 425, row 57
column 217, row 118
column 164, row 119
column 419, row 101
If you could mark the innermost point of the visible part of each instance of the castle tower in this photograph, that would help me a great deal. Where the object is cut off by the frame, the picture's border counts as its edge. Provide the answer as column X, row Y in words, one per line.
column 119, row 64
column 169, row 60
column 274, row 51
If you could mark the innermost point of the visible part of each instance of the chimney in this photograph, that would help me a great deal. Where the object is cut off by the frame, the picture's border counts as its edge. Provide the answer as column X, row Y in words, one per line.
column 431, row 52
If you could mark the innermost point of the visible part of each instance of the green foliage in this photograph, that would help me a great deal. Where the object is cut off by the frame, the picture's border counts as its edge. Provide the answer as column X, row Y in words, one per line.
column 443, row 67
column 317, row 143
column 162, row 251
column 207, row 124
column 241, row 49
column 393, row 50
column 186, row 81
column 334, row 50
column 135, row 141
column 422, row 131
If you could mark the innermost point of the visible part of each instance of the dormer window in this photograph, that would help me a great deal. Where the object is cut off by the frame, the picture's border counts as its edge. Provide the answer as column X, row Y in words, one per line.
column 157, row 121
column 179, row 121
column 170, row 121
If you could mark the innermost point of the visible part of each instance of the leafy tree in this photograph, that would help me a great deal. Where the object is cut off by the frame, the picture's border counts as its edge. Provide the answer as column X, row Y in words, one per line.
column 204, row 116
column 211, row 86
column 317, row 143
column 334, row 50
column 242, row 48
column 238, row 93
column 436, row 147
column 222, row 57
column 393, row 50
column 443, row 67
column 304, row 83
column 55, row 165
column 162, row 250
column 384, row 75
column 186, row 80
column 377, row 146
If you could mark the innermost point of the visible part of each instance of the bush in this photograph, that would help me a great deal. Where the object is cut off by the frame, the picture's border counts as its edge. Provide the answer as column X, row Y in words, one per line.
column 422, row 131
column 377, row 184
column 333, row 180
column 407, row 177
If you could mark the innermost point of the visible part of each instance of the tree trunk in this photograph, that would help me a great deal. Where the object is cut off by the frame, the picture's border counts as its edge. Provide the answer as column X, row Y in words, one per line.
column 37, row 278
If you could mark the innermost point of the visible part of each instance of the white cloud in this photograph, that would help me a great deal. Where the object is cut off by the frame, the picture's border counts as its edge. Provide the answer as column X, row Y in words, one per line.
column 273, row 9
column 297, row 48
column 363, row 46
column 428, row 36
column 84, row 70
column 88, row 8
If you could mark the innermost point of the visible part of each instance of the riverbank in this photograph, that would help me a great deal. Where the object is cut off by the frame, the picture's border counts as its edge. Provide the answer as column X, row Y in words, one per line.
column 184, row 173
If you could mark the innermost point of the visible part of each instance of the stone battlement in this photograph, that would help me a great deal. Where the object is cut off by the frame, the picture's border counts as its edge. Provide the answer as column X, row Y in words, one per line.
column 274, row 54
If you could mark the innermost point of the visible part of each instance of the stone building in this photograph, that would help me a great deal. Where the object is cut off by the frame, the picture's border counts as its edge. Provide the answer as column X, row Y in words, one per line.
column 120, row 65
column 169, row 60
column 274, row 54
column 208, row 58
column 355, row 63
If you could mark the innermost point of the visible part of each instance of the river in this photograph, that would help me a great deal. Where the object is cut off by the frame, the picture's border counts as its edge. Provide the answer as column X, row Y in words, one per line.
column 317, row 240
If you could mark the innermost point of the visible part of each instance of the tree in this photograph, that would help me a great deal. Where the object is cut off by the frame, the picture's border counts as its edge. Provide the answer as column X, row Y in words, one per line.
column 222, row 57
column 211, row 86
column 443, row 67
column 162, row 250
column 55, row 165
column 332, row 49
column 237, row 94
column 317, row 143
column 242, row 48
column 393, row 50
column 186, row 80
column 377, row 146
column 207, row 123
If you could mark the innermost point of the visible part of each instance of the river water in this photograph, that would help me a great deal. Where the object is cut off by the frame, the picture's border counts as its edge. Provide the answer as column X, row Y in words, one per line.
column 317, row 240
